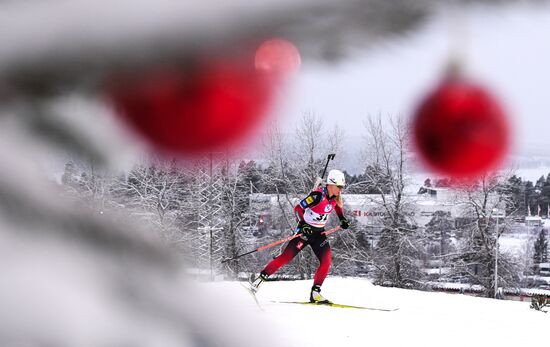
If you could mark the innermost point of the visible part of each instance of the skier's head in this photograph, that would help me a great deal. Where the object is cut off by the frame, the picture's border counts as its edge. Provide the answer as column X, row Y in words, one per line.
column 335, row 182
column 337, row 178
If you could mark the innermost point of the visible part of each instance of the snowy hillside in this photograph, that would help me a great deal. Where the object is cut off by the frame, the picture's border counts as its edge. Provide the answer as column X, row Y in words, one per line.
column 423, row 318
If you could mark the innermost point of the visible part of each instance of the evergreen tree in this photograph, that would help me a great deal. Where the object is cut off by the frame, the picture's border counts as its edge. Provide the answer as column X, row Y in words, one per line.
column 529, row 196
column 541, row 248
column 540, row 183
column 517, row 194
column 439, row 231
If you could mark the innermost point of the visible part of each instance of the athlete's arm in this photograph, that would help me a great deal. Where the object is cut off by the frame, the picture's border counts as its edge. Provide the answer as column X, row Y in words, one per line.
column 311, row 200
column 339, row 211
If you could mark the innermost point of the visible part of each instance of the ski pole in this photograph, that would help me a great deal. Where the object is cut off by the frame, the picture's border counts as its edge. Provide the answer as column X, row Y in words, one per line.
column 329, row 158
column 319, row 180
column 335, row 229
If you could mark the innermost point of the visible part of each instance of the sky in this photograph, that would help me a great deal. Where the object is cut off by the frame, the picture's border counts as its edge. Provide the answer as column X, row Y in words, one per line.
column 505, row 48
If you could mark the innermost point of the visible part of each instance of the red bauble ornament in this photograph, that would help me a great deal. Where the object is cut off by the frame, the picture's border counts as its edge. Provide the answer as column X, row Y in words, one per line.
column 460, row 130
column 193, row 109
column 278, row 57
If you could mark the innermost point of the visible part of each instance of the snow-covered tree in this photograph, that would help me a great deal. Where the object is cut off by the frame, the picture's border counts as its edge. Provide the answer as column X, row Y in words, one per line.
column 70, row 175
column 439, row 231
column 310, row 149
column 541, row 248
column 152, row 192
column 237, row 185
column 351, row 248
column 397, row 252
column 91, row 187
column 483, row 204
column 206, row 210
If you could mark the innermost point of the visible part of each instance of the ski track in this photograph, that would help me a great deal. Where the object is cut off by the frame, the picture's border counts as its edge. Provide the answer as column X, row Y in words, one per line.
column 423, row 318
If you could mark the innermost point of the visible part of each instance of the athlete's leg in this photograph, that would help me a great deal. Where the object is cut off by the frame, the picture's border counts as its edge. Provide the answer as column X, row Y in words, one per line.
column 290, row 251
column 321, row 248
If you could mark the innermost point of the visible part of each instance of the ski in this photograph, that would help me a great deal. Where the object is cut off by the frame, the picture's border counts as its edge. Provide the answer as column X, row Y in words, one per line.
column 337, row 305
column 253, row 295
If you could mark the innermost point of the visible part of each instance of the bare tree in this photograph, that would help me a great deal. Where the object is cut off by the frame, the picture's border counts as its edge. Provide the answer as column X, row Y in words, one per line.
column 483, row 222
column 151, row 192
column 279, row 176
column 310, row 149
column 207, row 213
column 236, row 190
column 397, row 251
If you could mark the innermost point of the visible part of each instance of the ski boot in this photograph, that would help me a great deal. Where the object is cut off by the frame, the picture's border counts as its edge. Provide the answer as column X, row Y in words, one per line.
column 255, row 285
column 316, row 297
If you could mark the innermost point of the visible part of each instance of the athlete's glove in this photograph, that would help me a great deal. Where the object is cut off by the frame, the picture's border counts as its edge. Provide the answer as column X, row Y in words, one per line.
column 344, row 224
column 306, row 230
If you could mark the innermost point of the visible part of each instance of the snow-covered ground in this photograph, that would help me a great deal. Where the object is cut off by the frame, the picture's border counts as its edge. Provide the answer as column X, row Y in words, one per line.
column 423, row 318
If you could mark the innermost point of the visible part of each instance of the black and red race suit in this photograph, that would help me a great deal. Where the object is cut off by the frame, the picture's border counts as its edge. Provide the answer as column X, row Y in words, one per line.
column 312, row 211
